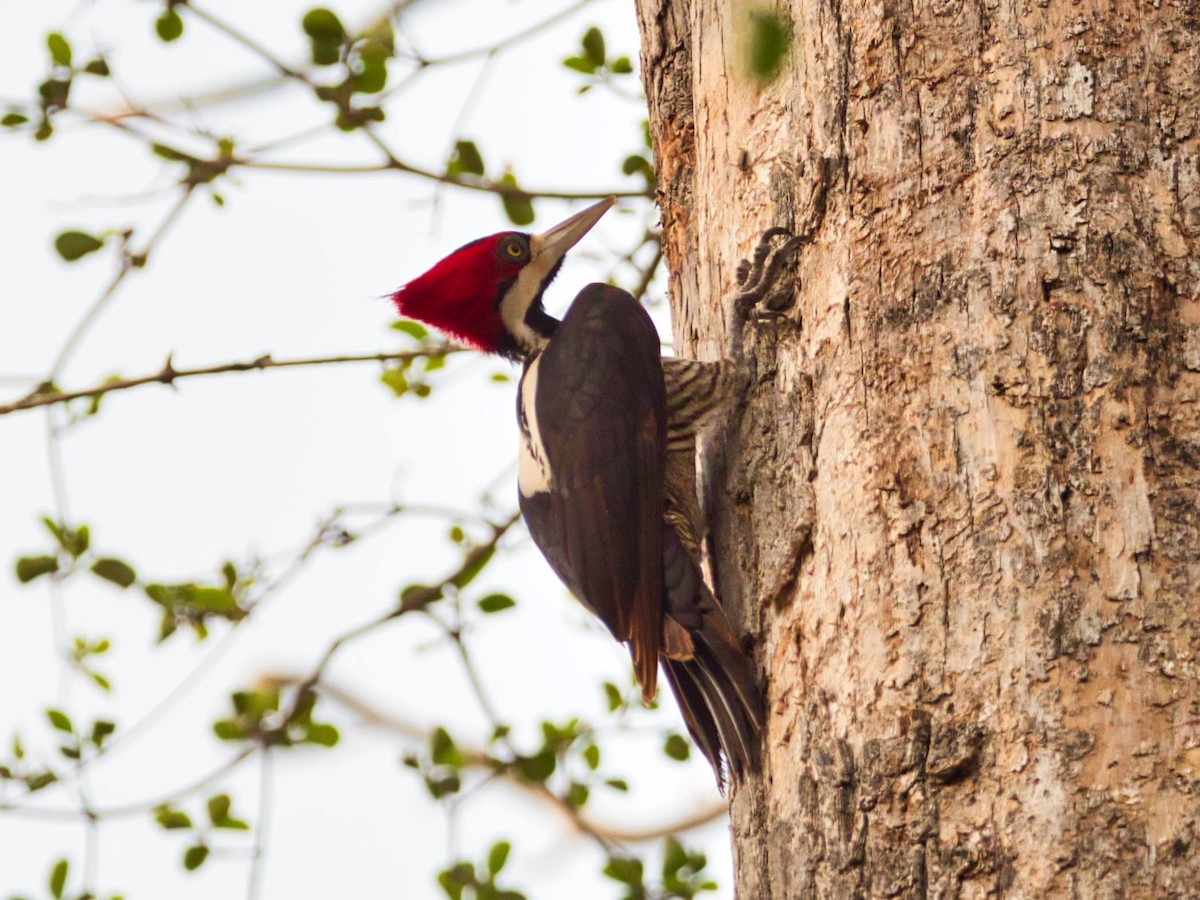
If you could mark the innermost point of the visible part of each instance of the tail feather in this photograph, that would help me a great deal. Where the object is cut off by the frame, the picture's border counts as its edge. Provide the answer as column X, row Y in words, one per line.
column 713, row 681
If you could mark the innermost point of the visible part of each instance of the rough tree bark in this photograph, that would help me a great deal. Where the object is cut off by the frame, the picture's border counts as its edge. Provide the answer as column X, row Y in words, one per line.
column 960, row 516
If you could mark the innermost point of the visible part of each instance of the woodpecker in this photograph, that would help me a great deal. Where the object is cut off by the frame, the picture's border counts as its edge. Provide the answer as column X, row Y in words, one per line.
column 607, row 466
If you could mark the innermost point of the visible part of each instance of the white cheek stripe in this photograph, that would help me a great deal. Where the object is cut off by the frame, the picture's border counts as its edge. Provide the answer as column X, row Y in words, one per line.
column 533, row 470
column 515, row 304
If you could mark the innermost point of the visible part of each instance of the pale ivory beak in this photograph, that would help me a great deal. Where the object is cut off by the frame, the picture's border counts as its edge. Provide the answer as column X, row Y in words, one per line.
column 548, row 247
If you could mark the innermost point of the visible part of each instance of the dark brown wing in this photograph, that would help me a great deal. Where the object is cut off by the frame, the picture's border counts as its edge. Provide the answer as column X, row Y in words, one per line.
column 600, row 407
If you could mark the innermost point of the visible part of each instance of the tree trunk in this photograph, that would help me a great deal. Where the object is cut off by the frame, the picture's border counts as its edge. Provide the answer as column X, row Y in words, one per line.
column 959, row 519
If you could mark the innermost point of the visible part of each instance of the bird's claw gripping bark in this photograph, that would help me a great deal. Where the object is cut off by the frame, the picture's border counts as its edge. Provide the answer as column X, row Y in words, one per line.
column 759, row 281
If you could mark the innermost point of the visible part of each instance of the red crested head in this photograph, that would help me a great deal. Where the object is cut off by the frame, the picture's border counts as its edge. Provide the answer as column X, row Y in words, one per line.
column 460, row 295
column 488, row 294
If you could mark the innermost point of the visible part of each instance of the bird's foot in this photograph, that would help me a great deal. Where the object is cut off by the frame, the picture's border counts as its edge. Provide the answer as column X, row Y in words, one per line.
column 760, row 284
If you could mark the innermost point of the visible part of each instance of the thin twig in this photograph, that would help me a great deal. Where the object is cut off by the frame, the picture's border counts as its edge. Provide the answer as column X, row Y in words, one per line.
column 127, row 266
column 168, row 374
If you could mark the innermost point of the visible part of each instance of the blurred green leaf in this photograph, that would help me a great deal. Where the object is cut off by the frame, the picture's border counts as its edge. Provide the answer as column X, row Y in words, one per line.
column 171, row 819
column 591, row 756
column 98, row 67
column 494, row 603
column 60, row 720
column 576, row 795
column 194, row 857
column 322, row 734
column 677, row 747
column 442, row 749
column 625, row 869
column 498, row 856
column 767, row 47
column 394, row 379
column 593, row 46
column 58, row 878
column 60, row 50
column 322, row 24
column 580, row 64
column 114, row 570
column 31, row 567
column 415, row 330
column 73, row 245
column 219, row 806
column 476, row 560
column 518, row 207
column 538, row 767
column 13, row 119
column 101, row 729
column 169, row 26
column 467, row 160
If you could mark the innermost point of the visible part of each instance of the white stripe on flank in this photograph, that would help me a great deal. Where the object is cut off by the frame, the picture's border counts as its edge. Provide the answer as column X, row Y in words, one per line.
column 533, row 471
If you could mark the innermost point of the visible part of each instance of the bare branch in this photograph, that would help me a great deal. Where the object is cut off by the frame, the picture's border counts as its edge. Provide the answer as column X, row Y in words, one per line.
column 478, row 758
column 168, row 374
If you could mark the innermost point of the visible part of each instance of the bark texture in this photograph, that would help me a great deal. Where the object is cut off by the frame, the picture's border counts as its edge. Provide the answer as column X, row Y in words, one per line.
column 959, row 518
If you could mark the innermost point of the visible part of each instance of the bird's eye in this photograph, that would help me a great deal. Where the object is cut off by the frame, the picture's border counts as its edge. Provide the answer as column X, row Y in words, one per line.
column 513, row 250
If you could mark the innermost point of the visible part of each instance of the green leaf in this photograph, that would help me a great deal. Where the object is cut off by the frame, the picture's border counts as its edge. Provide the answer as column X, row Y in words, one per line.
column 114, row 570
column 218, row 808
column 194, row 857
column 323, row 25
column 171, row 819
column 98, row 67
column 415, row 330
column 677, row 747
column 60, row 50
column 580, row 64
column 322, row 734
column 576, row 795
column 169, row 27
column 498, row 856
column 100, row 681
column 538, row 767
column 617, row 784
column 593, row 46
column 456, row 879
column 13, row 120
column 466, row 159
column 213, row 599
column 73, row 245
column 101, row 729
column 494, row 603
column 474, row 564
column 518, row 207
column 60, row 720
column 613, row 693
column 621, row 66
column 38, row 780
column 372, row 79
column 228, row 730
column 625, row 869
column 58, row 878
column 442, row 749
column 54, row 93
column 767, row 47
column 394, row 379
column 31, row 567
column 591, row 756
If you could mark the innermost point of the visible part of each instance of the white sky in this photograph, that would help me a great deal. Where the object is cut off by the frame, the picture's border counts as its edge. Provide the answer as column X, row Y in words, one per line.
column 177, row 481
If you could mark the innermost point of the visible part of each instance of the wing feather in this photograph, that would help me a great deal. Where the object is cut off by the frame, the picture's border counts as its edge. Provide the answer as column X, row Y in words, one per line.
column 600, row 405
